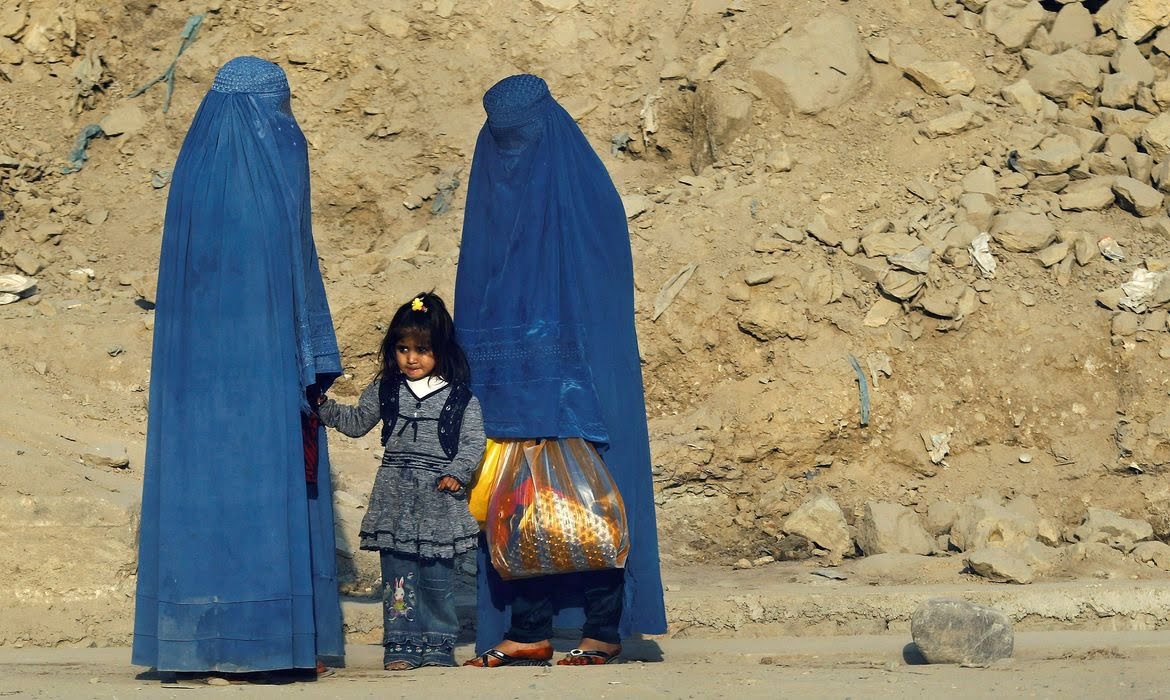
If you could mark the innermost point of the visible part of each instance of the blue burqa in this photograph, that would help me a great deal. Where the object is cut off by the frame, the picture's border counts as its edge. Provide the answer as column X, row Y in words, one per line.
column 544, row 307
column 236, row 556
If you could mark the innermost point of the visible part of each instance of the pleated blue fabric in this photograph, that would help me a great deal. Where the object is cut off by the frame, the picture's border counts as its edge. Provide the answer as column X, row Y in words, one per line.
column 544, row 307
column 236, row 555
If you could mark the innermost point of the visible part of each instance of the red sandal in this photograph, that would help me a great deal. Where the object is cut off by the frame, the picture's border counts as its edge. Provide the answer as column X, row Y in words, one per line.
column 590, row 657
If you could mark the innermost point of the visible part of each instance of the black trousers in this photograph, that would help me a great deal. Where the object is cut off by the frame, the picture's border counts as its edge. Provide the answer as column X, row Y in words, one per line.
column 532, row 608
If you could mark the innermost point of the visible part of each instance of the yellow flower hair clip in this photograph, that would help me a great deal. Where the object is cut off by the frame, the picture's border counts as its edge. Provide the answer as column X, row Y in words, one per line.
column 416, row 304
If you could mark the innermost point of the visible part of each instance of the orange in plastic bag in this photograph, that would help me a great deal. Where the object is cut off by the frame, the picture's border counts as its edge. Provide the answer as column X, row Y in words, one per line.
column 555, row 509
column 483, row 483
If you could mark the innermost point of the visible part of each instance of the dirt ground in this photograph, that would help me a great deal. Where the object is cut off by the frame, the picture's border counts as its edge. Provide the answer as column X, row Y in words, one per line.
column 45, row 673
column 1041, row 391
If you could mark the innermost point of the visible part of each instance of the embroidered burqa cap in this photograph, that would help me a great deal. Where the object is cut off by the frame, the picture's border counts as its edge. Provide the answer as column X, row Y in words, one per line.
column 544, row 307
column 236, row 564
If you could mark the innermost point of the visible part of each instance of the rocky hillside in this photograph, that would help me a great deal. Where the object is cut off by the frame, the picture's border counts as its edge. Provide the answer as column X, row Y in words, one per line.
column 909, row 253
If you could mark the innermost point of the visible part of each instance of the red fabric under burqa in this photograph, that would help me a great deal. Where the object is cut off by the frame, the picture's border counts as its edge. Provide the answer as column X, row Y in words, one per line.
column 310, row 430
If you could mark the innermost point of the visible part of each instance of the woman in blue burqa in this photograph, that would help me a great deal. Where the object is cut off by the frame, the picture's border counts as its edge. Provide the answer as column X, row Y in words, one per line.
column 544, row 307
column 236, row 555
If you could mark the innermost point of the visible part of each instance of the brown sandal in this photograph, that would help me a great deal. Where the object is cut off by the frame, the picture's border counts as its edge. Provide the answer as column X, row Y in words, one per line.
column 590, row 657
column 494, row 658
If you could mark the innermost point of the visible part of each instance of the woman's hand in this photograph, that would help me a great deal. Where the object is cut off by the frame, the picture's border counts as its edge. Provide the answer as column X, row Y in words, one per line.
column 449, row 484
column 321, row 399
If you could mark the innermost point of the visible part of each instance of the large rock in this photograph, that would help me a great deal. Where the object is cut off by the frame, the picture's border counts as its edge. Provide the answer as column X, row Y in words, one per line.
column 891, row 528
column 1156, row 553
column 810, row 70
column 1093, row 194
column 983, row 522
column 1127, row 122
column 821, row 521
column 1138, row 197
column 1134, row 19
column 1022, row 232
column 1055, row 154
column 942, row 78
column 1013, row 23
column 1065, row 76
column 1129, row 60
column 949, row 631
column 1102, row 525
column 1156, row 137
column 1072, row 27
column 999, row 565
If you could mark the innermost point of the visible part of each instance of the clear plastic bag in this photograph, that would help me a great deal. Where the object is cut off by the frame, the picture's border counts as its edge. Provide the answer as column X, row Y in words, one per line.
column 555, row 510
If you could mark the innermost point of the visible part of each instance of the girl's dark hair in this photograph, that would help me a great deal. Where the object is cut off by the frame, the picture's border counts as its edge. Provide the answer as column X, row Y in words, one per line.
column 425, row 316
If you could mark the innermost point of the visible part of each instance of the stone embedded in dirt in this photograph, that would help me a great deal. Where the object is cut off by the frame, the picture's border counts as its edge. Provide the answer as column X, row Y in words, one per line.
column 1128, row 122
column 888, row 243
column 816, row 67
column 26, row 263
column 821, row 229
column 1065, row 76
column 983, row 522
column 1119, row 90
column 951, row 124
column 882, row 312
column 1155, row 137
column 111, row 454
column 1072, row 28
column 1124, row 324
column 901, row 284
column 1128, row 60
column 769, row 320
column 1050, row 256
column 999, row 565
column 1056, row 154
column 1022, row 95
column 1133, row 19
column 949, row 631
column 555, row 5
column 1138, row 197
column 721, row 113
column 892, row 528
column 821, row 522
column 1102, row 525
column 1012, row 22
column 389, row 23
column 941, row 78
column 1160, row 176
column 916, row 261
column 46, row 232
column 1022, row 232
column 636, row 204
column 1141, row 167
column 922, row 189
column 1093, row 194
column 1156, row 553
column 981, row 180
column 127, row 118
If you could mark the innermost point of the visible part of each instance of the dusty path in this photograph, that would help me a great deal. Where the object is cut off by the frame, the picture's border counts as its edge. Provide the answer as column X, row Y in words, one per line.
column 1131, row 665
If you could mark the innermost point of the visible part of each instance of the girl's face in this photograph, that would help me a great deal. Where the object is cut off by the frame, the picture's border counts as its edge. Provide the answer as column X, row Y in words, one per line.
column 414, row 357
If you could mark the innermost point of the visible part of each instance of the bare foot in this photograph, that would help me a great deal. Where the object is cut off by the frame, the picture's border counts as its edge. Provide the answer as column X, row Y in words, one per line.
column 587, row 644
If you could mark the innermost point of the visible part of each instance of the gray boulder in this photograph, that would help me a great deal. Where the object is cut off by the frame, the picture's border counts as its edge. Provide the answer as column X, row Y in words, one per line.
column 949, row 631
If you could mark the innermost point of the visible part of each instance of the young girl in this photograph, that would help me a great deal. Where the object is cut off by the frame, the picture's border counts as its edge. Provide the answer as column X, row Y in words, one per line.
column 418, row 519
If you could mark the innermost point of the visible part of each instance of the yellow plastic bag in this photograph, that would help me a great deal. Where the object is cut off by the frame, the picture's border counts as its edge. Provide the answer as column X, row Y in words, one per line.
column 555, row 509
column 484, row 479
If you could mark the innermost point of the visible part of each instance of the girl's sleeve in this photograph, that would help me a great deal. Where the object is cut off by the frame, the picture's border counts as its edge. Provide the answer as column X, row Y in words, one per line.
column 471, row 444
column 354, row 421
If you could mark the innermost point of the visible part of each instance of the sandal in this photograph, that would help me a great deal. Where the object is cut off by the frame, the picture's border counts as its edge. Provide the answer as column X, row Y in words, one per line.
column 494, row 658
column 399, row 665
column 590, row 657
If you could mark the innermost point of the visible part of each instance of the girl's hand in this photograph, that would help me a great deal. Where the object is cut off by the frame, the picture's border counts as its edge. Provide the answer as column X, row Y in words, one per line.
column 321, row 399
column 449, row 484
